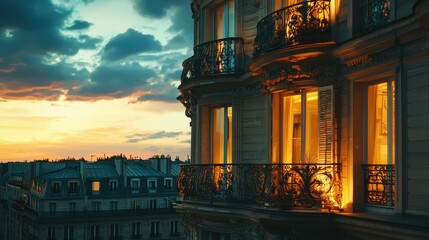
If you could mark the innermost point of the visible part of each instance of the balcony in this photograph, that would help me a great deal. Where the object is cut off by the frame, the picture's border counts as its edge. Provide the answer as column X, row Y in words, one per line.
column 279, row 185
column 218, row 57
column 379, row 185
column 302, row 23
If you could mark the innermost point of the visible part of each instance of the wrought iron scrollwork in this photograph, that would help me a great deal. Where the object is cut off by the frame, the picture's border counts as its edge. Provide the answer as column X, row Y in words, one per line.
column 222, row 56
column 282, row 185
column 379, row 185
column 302, row 23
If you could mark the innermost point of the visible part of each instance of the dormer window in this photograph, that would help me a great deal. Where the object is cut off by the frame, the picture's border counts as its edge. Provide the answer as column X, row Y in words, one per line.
column 113, row 185
column 95, row 187
column 151, row 185
column 135, row 185
column 73, row 187
column 168, row 184
column 56, row 186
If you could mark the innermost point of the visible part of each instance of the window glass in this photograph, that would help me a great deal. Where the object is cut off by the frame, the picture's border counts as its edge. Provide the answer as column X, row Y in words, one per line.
column 303, row 127
column 221, row 135
column 96, row 186
column 380, row 124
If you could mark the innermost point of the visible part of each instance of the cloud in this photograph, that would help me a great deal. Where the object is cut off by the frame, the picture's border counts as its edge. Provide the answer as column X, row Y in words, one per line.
column 23, row 72
column 87, row 42
column 142, row 137
column 34, row 94
column 178, row 11
column 163, row 92
column 153, row 9
column 79, row 25
column 113, row 81
column 129, row 43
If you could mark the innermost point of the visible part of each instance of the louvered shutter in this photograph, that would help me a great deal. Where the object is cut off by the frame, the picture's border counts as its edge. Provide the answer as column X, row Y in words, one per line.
column 326, row 124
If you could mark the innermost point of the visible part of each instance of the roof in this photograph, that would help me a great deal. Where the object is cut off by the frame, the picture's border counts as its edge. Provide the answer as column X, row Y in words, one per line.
column 101, row 170
column 66, row 173
column 175, row 168
column 142, row 170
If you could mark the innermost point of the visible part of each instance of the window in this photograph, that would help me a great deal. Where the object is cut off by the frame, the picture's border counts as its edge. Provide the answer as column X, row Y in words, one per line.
column 221, row 135
column 152, row 204
column 135, row 185
column 376, row 13
column 379, row 169
column 279, row 4
column 56, row 187
column 114, row 230
column 52, row 209
column 73, row 187
column 151, row 185
column 223, row 20
column 174, row 228
column 68, row 232
column 302, row 127
column 113, row 185
column 72, row 208
column 95, row 187
column 168, row 184
column 51, row 233
column 136, row 204
column 95, row 231
column 136, row 229
column 381, row 124
column 114, row 206
column 154, row 229
column 96, row 206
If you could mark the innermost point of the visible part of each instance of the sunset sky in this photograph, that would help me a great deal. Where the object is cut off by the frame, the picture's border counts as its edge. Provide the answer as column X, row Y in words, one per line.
column 82, row 78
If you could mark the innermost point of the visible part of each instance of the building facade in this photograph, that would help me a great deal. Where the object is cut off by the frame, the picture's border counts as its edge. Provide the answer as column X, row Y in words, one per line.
column 112, row 198
column 309, row 119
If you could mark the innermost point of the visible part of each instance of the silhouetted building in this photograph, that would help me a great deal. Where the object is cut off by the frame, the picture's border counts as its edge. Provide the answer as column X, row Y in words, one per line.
column 309, row 119
column 112, row 198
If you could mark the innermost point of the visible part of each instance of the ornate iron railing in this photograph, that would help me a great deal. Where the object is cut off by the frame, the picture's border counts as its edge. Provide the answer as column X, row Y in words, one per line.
column 222, row 56
column 376, row 13
column 302, row 23
column 379, row 185
column 282, row 185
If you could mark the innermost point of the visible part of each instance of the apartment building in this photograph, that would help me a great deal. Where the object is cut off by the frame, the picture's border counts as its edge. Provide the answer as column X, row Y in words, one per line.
column 309, row 119
column 113, row 198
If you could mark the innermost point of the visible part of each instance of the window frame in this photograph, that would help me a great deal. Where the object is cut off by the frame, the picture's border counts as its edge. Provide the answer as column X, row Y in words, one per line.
column 75, row 189
column 168, row 187
column 135, row 185
column 149, row 187
column 56, row 187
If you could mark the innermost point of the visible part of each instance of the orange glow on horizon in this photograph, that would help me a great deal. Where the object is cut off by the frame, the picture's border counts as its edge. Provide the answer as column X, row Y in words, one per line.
column 42, row 129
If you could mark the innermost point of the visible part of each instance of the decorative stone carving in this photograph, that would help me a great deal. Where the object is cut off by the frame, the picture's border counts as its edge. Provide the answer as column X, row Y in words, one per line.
column 363, row 62
column 295, row 74
column 195, row 7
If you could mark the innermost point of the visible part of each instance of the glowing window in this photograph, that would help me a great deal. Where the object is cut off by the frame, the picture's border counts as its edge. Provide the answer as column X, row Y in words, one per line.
column 381, row 124
column 302, row 127
column 221, row 135
column 95, row 186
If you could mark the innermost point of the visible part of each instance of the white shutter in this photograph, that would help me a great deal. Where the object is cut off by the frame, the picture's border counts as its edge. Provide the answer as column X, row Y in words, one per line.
column 326, row 124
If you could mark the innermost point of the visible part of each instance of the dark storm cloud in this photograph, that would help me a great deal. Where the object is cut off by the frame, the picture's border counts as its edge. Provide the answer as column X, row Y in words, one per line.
column 19, row 73
column 153, row 9
column 129, row 43
column 142, row 137
column 180, row 13
column 113, row 81
column 33, row 50
column 87, row 42
column 79, row 25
